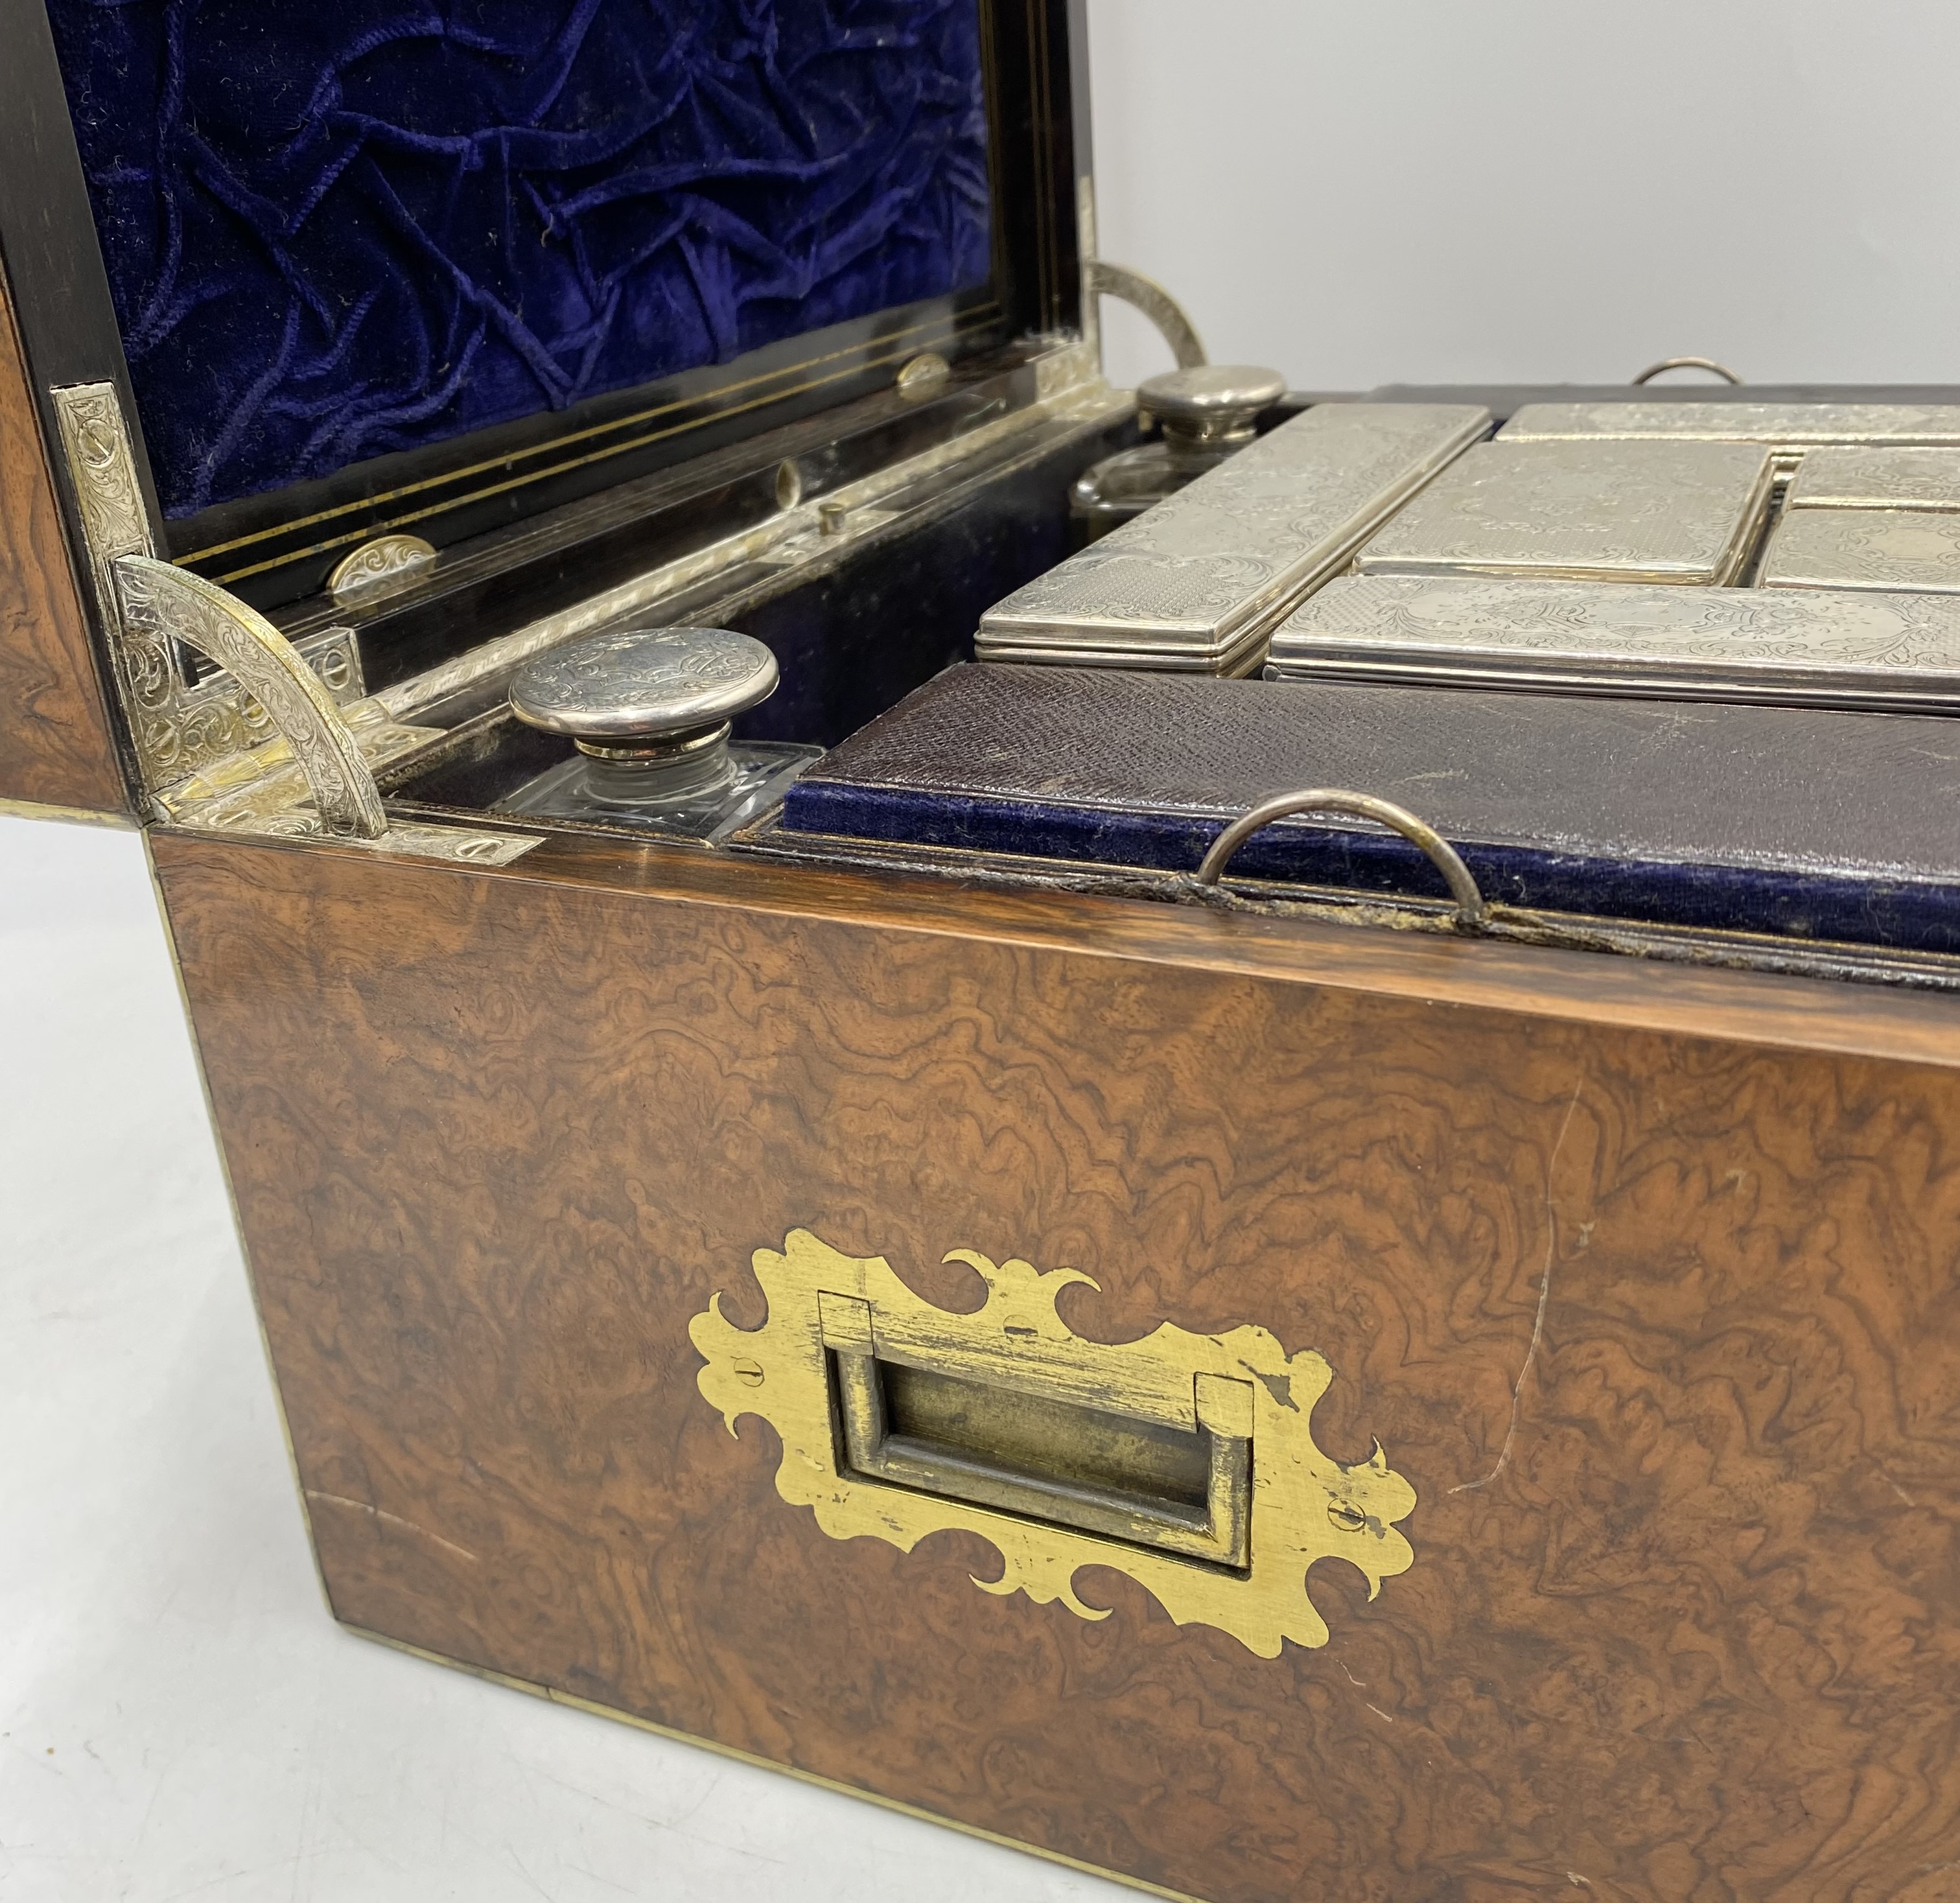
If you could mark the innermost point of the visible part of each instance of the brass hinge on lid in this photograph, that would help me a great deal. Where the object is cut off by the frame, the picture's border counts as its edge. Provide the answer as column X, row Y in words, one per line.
column 281, row 740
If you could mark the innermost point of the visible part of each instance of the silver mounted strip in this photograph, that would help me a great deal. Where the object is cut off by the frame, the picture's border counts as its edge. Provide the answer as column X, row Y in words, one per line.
column 1197, row 581
column 1780, row 425
column 1899, row 651
column 1068, row 388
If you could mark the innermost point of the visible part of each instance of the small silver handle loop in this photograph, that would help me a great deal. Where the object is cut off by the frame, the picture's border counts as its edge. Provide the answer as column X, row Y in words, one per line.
column 1652, row 370
column 1471, row 909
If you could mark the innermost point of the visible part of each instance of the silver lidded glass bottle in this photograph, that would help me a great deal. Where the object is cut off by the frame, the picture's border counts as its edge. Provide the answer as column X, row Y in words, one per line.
column 1205, row 414
column 648, row 711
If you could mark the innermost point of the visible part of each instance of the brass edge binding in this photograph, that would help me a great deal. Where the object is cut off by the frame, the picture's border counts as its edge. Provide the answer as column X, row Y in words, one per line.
column 81, row 816
column 1240, row 1387
column 264, row 746
column 592, row 1708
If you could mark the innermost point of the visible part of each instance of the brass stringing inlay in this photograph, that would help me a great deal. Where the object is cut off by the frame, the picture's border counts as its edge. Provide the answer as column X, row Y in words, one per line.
column 1305, row 1506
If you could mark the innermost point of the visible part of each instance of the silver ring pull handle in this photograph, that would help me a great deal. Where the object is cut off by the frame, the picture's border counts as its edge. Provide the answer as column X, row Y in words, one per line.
column 1666, row 364
column 1471, row 909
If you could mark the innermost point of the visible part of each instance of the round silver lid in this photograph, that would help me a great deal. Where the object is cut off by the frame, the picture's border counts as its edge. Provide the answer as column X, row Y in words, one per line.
column 1211, row 396
column 643, row 684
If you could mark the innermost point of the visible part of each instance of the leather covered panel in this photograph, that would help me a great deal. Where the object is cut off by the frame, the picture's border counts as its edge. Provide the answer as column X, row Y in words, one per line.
column 1789, row 820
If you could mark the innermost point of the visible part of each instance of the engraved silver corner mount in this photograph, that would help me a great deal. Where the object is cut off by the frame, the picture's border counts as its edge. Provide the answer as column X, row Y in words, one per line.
column 166, row 603
column 1471, row 913
column 1100, row 278
column 200, row 743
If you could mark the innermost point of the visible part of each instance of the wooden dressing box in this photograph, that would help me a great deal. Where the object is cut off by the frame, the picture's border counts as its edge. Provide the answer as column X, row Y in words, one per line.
column 1077, row 1261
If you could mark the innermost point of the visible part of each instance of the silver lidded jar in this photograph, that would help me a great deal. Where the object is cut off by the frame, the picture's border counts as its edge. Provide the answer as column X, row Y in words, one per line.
column 649, row 711
column 1204, row 413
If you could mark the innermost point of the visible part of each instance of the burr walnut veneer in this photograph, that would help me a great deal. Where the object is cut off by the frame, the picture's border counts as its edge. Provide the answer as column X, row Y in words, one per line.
column 1643, row 1276
column 56, row 745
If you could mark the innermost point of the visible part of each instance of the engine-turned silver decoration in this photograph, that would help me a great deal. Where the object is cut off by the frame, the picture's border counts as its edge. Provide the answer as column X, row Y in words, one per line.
column 649, row 711
column 1198, row 583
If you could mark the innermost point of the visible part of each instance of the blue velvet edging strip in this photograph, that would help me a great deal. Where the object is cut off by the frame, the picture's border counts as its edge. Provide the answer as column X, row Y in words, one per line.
column 1901, row 914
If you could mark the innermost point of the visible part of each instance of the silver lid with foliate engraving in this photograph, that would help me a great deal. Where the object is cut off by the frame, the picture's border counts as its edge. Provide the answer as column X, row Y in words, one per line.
column 645, row 684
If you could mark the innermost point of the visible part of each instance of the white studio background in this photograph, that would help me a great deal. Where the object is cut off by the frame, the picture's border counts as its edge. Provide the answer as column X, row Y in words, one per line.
column 1402, row 189
column 1362, row 192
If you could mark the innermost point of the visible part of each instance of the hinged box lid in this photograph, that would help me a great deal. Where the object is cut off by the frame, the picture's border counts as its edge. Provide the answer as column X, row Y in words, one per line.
column 358, row 271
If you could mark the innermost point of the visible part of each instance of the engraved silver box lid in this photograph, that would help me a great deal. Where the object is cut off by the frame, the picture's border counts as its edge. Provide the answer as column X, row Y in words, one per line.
column 1885, row 548
column 1679, row 513
column 1780, row 425
column 1897, row 651
column 1196, row 582
column 1861, row 477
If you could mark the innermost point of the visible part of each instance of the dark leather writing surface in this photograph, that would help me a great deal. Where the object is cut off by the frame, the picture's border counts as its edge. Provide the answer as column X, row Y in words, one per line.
column 1790, row 820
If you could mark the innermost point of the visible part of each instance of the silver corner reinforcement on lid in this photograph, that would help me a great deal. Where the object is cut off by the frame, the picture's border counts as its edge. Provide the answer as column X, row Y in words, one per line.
column 1810, row 648
column 1197, row 581
column 1787, row 426
column 1913, row 549
column 1861, row 477
column 1678, row 512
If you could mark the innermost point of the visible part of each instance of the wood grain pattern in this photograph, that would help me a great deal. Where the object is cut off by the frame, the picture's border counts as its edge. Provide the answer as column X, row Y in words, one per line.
column 56, row 745
column 1683, row 1621
column 1749, row 1007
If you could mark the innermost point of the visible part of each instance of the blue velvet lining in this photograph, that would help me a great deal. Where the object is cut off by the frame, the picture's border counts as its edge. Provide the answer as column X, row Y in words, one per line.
column 333, row 230
column 1863, row 908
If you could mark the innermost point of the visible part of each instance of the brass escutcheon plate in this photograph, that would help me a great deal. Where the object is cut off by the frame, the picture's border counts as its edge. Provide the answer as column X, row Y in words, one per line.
column 1305, row 1506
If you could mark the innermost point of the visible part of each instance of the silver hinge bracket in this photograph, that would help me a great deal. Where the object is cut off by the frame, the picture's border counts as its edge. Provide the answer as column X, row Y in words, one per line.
column 1100, row 278
column 275, row 741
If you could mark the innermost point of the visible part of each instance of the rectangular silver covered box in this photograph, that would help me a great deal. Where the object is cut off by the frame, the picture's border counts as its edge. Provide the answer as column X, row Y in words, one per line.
column 1198, row 582
column 1812, row 648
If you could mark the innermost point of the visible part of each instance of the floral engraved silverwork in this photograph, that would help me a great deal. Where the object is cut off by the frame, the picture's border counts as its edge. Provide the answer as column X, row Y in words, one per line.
column 379, row 566
column 160, row 602
column 281, row 741
column 178, row 728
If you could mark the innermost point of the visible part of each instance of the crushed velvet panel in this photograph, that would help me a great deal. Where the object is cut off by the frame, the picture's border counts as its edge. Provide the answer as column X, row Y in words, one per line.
column 337, row 230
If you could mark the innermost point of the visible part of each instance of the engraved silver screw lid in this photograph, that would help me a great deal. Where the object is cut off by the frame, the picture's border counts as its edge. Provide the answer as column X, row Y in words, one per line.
column 1210, row 408
column 649, row 708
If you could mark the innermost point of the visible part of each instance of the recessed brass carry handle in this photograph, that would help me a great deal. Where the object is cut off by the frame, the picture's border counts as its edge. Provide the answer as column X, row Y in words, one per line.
column 1030, row 1428
column 998, row 1444
column 1471, row 909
